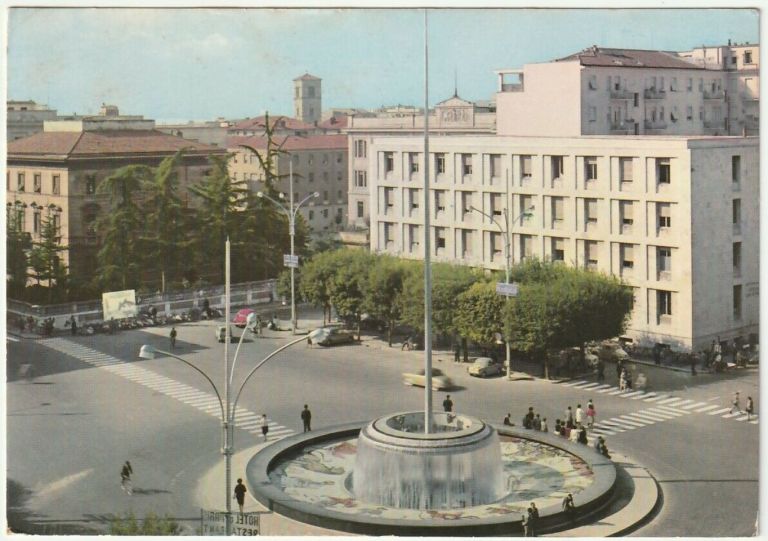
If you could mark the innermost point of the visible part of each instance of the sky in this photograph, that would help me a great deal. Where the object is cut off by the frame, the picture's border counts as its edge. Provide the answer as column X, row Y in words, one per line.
column 184, row 64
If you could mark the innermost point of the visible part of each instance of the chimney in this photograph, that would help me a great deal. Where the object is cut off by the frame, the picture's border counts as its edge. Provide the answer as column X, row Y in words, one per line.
column 729, row 43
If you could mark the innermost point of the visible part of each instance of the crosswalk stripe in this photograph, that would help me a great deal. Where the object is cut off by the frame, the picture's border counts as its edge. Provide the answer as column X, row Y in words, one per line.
column 631, row 422
column 644, row 397
column 712, row 406
column 694, row 405
column 634, row 394
column 729, row 415
column 617, row 427
column 618, row 391
column 664, row 413
column 753, row 422
column 680, row 404
column 609, row 388
column 603, row 386
column 588, row 386
column 285, row 431
column 656, row 398
column 746, row 417
column 637, row 420
column 717, row 412
column 651, row 416
column 574, row 383
column 603, row 431
column 674, row 410
column 669, row 400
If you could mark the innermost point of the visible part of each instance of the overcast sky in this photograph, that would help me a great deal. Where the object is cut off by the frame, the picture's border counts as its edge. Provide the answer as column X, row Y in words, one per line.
column 181, row 64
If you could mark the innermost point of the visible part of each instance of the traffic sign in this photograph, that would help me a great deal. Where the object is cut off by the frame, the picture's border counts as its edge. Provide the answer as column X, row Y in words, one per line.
column 508, row 290
column 291, row 261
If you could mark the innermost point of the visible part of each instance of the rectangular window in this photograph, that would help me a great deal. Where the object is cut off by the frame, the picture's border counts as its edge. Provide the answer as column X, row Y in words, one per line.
column 626, row 213
column 558, row 249
column 36, row 222
column 664, row 303
column 466, row 164
column 736, row 258
column 526, row 246
column 701, row 113
column 689, row 112
column 736, row 208
column 310, row 159
column 90, row 184
column 311, row 214
column 495, row 165
column 360, row 148
column 360, row 209
column 735, row 169
column 325, row 176
column 737, row 302
column 496, row 204
column 311, row 177
column 439, row 201
column 701, row 84
column 325, row 159
column 466, row 242
column 325, row 213
column 557, row 211
column 592, row 113
column 56, row 222
column 413, row 237
column 625, row 169
column 592, row 82
column 665, row 215
column 590, row 168
column 689, row 86
column 663, row 171
column 388, row 234
column 325, row 195
column 636, row 99
column 37, row 183
column 389, row 162
column 664, row 259
column 339, row 157
column 590, row 211
column 673, row 84
column 526, row 203
column 339, row 194
column 496, row 245
column 526, row 166
column 361, row 179
column 466, row 204
column 590, row 254
column 21, row 183
column 627, row 256
column 389, row 199
column 747, row 57
column 440, row 163
column 414, row 197
column 56, row 185
column 439, row 238
column 557, row 164
column 413, row 162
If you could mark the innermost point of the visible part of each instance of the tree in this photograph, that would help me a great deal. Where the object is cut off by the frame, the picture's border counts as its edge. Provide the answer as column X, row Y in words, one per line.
column 17, row 246
column 480, row 314
column 45, row 256
column 385, row 283
column 316, row 276
column 121, row 256
column 347, row 288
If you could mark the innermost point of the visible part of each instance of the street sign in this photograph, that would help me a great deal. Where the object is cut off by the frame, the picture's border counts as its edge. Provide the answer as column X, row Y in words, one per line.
column 508, row 290
column 291, row 261
column 215, row 523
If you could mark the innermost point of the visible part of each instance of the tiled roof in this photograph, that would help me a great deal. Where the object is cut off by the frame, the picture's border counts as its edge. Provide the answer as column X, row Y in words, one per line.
column 283, row 122
column 104, row 142
column 292, row 142
column 629, row 58
column 335, row 122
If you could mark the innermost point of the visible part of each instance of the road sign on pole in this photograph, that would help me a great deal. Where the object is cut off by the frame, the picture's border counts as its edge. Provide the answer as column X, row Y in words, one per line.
column 291, row 261
column 508, row 290
column 215, row 523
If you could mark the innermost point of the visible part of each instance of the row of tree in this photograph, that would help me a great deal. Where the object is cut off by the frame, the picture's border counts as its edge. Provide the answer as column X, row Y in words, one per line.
column 557, row 306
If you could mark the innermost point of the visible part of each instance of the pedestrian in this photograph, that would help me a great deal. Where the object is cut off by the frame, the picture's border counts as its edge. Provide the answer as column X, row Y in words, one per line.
column 623, row 380
column 240, row 491
column 544, row 427
column 619, row 368
column 73, row 325
column 528, row 419
column 569, row 508
column 508, row 420
column 173, row 337
column 694, row 361
column 582, row 438
column 735, row 403
column 591, row 414
column 557, row 426
column 600, row 371
column 448, row 404
column 537, row 422
column 306, row 418
column 569, row 417
column 264, row 425
column 533, row 515
column 573, row 435
column 526, row 522
column 656, row 354
column 579, row 414
column 125, row 478
column 750, row 408
column 456, row 352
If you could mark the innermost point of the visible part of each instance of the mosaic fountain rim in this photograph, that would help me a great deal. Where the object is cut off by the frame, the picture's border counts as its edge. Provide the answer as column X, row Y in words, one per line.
column 275, row 499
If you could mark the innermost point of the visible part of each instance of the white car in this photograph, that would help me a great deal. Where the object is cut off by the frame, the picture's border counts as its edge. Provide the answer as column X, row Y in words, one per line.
column 484, row 367
column 439, row 380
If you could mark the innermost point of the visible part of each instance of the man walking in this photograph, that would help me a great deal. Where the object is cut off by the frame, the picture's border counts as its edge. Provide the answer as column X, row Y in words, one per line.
column 750, row 408
column 448, row 404
column 569, row 417
column 240, row 491
column 264, row 425
column 125, row 476
column 73, row 325
column 173, row 337
column 579, row 414
column 306, row 418
column 735, row 405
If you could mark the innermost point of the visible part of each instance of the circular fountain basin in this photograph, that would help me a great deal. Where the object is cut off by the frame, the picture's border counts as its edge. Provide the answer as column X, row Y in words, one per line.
column 312, row 478
column 456, row 465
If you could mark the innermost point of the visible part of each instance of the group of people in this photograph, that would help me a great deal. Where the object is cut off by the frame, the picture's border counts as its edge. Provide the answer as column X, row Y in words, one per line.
column 736, row 405
column 531, row 518
column 573, row 426
column 531, row 421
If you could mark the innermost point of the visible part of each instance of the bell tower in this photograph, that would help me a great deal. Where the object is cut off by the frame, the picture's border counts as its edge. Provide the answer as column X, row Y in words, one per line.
column 307, row 101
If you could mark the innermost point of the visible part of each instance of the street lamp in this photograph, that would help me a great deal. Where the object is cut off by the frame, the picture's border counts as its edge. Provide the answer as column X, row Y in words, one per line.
column 227, row 410
column 505, row 233
column 291, row 211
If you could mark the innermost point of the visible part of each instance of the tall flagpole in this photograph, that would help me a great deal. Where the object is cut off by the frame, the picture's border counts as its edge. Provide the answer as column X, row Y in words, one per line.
column 427, row 247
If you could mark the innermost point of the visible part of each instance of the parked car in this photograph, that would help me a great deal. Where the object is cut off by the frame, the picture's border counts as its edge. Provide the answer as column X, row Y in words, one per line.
column 610, row 351
column 331, row 336
column 439, row 380
column 484, row 367
column 221, row 334
column 241, row 317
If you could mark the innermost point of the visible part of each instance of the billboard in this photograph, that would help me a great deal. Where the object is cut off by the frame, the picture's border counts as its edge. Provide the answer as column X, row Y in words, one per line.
column 119, row 304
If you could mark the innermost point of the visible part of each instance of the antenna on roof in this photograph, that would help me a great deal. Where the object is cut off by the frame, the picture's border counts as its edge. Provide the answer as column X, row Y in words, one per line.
column 455, row 82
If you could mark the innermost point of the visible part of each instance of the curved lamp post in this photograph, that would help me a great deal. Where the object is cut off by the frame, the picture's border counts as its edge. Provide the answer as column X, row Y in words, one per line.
column 504, row 230
column 227, row 409
column 290, row 211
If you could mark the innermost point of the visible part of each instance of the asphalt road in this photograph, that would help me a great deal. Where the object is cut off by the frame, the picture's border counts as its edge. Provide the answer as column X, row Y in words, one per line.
column 73, row 424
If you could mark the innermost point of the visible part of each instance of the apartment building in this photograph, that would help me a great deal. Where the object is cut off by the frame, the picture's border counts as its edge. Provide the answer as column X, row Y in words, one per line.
column 454, row 116
column 675, row 217
column 319, row 165
column 601, row 91
column 26, row 118
column 58, row 170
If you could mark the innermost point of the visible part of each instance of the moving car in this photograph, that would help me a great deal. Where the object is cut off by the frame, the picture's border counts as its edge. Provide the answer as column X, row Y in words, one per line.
column 331, row 336
column 439, row 380
column 241, row 317
column 221, row 334
column 484, row 367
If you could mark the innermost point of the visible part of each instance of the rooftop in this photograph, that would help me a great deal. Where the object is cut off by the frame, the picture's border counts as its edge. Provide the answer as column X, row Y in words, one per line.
column 280, row 122
column 307, row 77
column 291, row 142
column 629, row 58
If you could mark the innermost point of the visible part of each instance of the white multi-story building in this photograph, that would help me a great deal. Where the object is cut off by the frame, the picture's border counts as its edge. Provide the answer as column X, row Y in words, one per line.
column 26, row 118
column 631, row 92
column 675, row 217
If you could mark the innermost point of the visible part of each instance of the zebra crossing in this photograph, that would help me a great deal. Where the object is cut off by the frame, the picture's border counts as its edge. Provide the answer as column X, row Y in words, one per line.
column 665, row 407
column 205, row 402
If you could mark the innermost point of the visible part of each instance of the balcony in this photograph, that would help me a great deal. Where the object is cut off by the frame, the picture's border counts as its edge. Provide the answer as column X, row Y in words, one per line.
column 622, row 95
column 714, row 94
column 654, row 94
column 714, row 124
column 655, row 125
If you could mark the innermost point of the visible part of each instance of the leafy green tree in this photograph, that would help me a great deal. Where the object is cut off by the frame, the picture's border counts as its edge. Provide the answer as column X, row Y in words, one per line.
column 480, row 314
column 45, row 257
column 385, row 284
column 17, row 246
column 121, row 256
column 350, row 281
column 315, row 283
